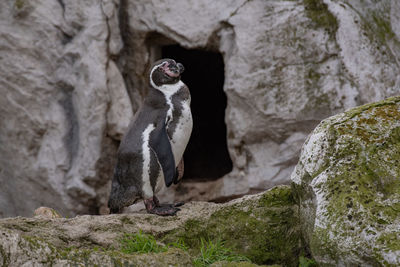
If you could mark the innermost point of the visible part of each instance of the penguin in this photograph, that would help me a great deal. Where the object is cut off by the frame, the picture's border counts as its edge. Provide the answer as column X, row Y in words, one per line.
column 150, row 154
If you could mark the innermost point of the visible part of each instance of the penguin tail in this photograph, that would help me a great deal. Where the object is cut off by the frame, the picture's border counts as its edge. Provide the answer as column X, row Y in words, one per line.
column 114, row 203
column 121, row 197
column 114, row 210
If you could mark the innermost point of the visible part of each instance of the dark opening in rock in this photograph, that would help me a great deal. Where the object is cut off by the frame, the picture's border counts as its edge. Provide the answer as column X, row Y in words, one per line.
column 206, row 156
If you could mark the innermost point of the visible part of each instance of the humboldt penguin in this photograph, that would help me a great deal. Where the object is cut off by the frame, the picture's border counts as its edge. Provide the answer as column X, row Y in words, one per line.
column 150, row 154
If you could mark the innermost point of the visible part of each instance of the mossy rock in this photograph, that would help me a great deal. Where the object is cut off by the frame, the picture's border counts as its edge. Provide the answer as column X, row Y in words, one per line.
column 239, row 264
column 263, row 227
column 319, row 14
column 348, row 185
column 266, row 231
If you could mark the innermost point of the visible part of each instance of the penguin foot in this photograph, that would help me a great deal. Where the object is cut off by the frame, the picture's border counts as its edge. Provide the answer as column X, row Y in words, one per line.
column 153, row 206
column 178, row 204
column 164, row 210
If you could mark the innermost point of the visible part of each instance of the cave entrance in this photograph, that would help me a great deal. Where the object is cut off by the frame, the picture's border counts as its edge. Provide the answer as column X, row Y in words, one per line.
column 206, row 156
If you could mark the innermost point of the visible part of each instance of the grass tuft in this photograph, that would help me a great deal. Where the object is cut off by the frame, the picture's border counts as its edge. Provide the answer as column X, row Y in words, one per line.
column 140, row 243
column 211, row 252
column 178, row 244
column 306, row 262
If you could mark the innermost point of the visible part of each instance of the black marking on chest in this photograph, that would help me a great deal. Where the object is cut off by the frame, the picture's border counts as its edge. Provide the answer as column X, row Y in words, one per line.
column 177, row 102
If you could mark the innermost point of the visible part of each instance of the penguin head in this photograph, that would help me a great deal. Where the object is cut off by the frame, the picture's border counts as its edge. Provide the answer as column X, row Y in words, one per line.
column 165, row 71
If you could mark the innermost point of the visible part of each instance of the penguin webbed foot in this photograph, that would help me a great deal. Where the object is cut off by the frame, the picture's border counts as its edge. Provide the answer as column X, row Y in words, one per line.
column 153, row 206
column 164, row 210
column 178, row 204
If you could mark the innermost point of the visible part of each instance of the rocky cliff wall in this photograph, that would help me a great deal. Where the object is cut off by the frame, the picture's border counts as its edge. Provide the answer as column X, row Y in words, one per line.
column 63, row 102
column 71, row 74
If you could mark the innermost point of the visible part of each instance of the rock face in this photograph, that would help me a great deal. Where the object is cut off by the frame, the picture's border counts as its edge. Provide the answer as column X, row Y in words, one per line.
column 71, row 74
column 348, row 185
column 63, row 102
column 262, row 227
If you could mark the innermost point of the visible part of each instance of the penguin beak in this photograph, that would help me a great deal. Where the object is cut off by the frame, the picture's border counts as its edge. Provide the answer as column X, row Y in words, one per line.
column 181, row 68
column 175, row 70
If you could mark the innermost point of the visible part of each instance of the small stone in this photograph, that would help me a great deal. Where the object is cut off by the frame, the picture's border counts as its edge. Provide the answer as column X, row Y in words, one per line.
column 47, row 212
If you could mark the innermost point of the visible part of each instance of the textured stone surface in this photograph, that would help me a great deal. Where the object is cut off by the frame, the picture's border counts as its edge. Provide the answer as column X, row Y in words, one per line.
column 263, row 227
column 61, row 94
column 47, row 213
column 348, row 185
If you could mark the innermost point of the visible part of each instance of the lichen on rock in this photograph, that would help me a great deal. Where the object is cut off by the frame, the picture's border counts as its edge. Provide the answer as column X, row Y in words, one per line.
column 347, row 182
column 266, row 230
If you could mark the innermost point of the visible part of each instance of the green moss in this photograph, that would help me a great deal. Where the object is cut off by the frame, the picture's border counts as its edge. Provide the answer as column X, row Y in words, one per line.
column 128, row 255
column 390, row 240
column 4, row 256
column 363, row 172
column 126, row 220
column 239, row 264
column 385, row 29
column 277, row 197
column 306, row 262
column 34, row 242
column 322, row 244
column 180, row 244
column 377, row 26
column 320, row 101
column 214, row 251
column 19, row 4
column 266, row 232
column 83, row 255
column 319, row 14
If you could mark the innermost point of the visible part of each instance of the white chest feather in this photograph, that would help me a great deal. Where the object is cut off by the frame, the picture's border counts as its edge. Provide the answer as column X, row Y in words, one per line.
column 169, row 90
column 146, row 186
column 181, row 135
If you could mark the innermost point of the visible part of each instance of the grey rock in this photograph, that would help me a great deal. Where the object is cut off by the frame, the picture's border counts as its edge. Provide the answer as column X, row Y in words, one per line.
column 47, row 213
column 61, row 93
column 347, row 184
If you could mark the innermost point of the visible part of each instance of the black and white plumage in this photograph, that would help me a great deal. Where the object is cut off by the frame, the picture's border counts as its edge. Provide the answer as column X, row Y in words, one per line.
column 152, row 149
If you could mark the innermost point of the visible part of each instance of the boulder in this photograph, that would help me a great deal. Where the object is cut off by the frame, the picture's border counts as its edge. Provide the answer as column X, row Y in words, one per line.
column 263, row 227
column 348, row 186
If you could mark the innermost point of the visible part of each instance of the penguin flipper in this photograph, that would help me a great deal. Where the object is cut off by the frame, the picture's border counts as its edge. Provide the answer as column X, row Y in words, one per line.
column 161, row 145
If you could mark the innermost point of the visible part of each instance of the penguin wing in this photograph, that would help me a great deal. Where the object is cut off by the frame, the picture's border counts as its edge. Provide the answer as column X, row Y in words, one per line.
column 159, row 142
